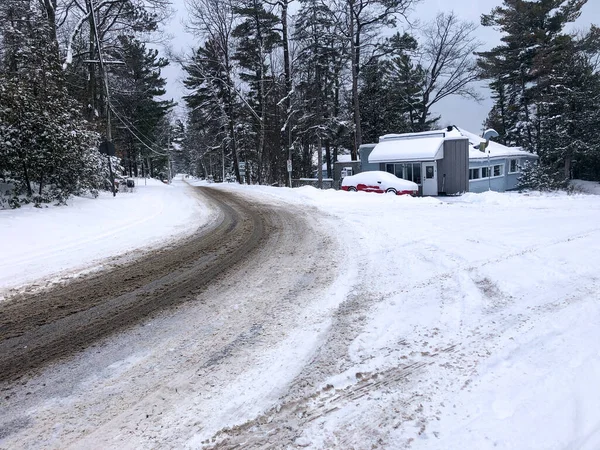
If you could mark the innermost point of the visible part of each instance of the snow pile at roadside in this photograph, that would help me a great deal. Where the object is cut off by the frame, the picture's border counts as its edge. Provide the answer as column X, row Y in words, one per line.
column 588, row 187
column 484, row 334
column 40, row 244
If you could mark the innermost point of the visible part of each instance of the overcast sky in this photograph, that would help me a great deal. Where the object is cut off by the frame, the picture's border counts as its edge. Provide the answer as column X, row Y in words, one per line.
column 464, row 113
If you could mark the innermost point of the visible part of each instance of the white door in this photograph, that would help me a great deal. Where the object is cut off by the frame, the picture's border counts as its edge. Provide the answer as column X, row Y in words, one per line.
column 430, row 184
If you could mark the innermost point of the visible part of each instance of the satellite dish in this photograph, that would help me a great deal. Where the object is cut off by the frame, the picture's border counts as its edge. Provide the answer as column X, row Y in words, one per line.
column 490, row 133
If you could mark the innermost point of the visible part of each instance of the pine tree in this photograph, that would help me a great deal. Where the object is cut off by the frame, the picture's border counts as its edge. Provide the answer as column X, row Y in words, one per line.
column 137, row 86
column 49, row 151
column 530, row 30
column 406, row 93
column 256, row 40
column 568, row 115
column 361, row 22
column 320, row 92
column 543, row 83
column 214, row 110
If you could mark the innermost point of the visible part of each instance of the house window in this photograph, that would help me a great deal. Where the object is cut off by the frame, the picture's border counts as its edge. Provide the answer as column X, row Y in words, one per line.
column 399, row 170
column 406, row 171
column 498, row 170
column 485, row 172
column 474, row 174
column 417, row 173
column 513, row 166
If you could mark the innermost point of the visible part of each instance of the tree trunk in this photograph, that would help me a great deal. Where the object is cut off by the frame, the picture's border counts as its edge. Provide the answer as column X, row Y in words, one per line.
column 50, row 8
column 424, row 112
column 288, row 83
column 91, row 87
column 355, row 50
column 231, row 123
column 328, row 157
column 568, row 161
column 27, row 181
column 319, row 162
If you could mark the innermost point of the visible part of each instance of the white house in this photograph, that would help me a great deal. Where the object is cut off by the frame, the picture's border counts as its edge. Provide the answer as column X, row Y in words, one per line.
column 496, row 169
column 446, row 161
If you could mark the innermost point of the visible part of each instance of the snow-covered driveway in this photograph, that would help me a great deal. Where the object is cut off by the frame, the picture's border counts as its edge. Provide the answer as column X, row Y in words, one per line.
column 377, row 322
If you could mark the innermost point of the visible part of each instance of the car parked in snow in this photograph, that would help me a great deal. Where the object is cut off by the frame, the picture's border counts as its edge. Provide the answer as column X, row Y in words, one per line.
column 380, row 182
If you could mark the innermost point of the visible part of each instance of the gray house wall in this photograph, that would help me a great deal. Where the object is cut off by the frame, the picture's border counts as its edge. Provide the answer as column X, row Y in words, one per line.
column 339, row 166
column 453, row 168
column 364, row 151
column 505, row 182
column 497, row 184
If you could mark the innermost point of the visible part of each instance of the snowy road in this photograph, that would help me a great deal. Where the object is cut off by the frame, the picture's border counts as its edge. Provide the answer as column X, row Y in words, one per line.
column 359, row 321
column 249, row 275
column 38, row 328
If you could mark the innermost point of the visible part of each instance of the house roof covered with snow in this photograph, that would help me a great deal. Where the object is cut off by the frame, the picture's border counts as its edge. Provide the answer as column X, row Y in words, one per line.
column 421, row 147
column 340, row 158
column 496, row 150
column 428, row 145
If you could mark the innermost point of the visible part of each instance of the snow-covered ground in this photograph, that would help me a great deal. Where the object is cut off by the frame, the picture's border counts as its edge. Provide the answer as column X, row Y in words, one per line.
column 451, row 323
column 587, row 187
column 493, row 298
column 48, row 244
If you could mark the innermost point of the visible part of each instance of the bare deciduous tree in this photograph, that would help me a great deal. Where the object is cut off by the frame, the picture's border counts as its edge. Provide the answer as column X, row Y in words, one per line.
column 446, row 57
column 361, row 22
column 214, row 21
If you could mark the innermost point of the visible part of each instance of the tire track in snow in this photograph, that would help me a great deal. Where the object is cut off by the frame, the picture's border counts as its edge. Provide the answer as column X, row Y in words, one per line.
column 282, row 425
column 39, row 328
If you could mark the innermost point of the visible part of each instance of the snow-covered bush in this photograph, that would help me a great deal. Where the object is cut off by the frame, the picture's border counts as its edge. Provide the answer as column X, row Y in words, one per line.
column 540, row 177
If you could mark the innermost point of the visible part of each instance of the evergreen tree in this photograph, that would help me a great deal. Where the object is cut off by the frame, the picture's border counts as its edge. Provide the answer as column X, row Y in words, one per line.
column 543, row 83
column 256, row 40
column 48, row 150
column 214, row 111
column 502, row 112
column 137, row 86
column 321, row 65
column 568, row 112
column 361, row 22
column 376, row 107
column 406, row 94
column 530, row 30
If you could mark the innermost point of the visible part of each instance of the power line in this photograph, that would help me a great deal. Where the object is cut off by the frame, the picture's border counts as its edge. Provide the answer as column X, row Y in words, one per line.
column 105, row 76
column 135, row 135
column 108, row 101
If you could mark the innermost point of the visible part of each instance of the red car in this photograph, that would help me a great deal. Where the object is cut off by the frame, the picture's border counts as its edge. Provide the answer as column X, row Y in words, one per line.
column 380, row 182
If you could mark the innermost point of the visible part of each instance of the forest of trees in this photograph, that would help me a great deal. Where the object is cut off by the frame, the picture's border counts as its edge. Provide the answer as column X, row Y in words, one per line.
column 546, row 88
column 58, row 60
column 275, row 80
column 266, row 86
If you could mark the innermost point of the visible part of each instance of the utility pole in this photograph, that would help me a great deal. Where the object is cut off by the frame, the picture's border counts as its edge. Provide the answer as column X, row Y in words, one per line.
column 289, row 161
column 487, row 134
column 109, row 144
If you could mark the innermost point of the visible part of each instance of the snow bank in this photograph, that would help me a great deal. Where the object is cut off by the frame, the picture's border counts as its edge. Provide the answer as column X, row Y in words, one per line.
column 587, row 187
column 43, row 244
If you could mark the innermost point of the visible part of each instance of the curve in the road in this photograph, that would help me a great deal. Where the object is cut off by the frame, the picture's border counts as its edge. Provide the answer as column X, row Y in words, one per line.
column 40, row 328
